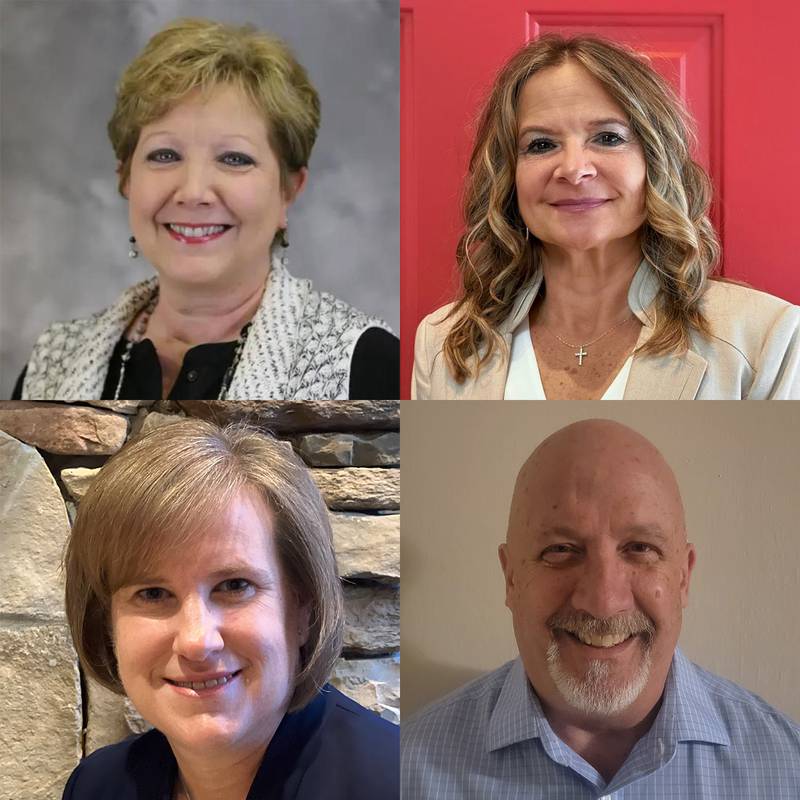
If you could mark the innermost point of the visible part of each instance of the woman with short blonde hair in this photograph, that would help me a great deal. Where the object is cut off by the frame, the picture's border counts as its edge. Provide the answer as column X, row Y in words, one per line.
column 213, row 130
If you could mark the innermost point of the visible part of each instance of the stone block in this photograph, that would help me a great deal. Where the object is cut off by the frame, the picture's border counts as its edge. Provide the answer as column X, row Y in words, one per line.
column 77, row 480
column 359, row 488
column 367, row 545
column 372, row 619
column 40, row 738
column 111, row 717
column 63, row 429
column 157, row 420
column 282, row 416
column 349, row 449
column 32, row 535
column 372, row 682
column 121, row 406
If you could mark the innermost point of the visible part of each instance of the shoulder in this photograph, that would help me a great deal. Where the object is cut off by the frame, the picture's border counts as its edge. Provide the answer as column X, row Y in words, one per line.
column 749, row 718
column 738, row 310
column 356, row 753
column 434, row 327
column 753, row 349
column 459, row 718
column 351, row 718
column 116, row 772
column 89, row 339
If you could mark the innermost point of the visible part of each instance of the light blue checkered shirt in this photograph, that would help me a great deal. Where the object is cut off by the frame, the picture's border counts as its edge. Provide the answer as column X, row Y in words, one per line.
column 711, row 739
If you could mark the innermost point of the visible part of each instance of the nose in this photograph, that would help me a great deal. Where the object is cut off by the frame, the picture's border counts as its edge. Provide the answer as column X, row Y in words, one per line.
column 195, row 185
column 198, row 630
column 575, row 164
column 604, row 586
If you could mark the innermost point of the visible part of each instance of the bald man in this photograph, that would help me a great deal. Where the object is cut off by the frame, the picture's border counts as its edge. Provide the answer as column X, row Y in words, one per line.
column 600, row 703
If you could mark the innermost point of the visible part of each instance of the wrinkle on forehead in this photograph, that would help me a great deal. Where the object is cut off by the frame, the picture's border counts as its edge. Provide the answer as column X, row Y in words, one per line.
column 597, row 460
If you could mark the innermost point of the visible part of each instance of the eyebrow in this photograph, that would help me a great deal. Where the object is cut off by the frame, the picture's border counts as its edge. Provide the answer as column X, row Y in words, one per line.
column 222, row 137
column 234, row 570
column 652, row 531
column 595, row 123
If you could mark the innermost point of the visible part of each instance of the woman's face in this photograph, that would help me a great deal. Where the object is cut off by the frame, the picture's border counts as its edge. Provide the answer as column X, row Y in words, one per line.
column 205, row 196
column 580, row 173
column 218, row 609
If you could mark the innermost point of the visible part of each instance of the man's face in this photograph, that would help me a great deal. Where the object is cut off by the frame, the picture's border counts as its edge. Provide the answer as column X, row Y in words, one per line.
column 597, row 571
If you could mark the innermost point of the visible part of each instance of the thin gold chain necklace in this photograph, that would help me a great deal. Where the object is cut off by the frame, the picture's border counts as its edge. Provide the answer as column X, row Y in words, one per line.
column 582, row 352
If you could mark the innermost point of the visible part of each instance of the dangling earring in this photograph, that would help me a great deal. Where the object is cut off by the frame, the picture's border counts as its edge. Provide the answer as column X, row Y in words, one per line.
column 283, row 240
column 132, row 251
column 527, row 233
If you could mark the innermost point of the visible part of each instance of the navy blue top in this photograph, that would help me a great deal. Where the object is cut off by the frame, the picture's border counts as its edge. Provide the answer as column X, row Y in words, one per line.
column 333, row 749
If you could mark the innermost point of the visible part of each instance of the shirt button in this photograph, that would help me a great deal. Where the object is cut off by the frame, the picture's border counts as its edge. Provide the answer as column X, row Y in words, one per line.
column 192, row 375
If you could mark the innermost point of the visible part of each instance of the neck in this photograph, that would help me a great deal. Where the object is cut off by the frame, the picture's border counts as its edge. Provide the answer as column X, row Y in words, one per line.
column 586, row 293
column 189, row 317
column 218, row 777
column 604, row 742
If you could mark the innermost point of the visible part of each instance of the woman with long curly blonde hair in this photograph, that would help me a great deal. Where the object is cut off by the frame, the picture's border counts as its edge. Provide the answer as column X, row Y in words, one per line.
column 588, row 255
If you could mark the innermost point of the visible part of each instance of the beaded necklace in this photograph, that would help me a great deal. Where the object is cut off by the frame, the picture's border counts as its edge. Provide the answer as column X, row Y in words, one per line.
column 138, row 334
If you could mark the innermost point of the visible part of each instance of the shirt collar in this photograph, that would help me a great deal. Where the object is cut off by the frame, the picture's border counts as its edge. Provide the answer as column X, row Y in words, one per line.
column 687, row 712
column 642, row 293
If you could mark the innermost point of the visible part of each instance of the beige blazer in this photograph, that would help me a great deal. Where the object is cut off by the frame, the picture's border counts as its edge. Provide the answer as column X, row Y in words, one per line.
column 754, row 353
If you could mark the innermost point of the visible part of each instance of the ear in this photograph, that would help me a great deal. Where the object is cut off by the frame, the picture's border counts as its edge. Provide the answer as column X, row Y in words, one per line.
column 686, row 573
column 296, row 183
column 508, row 571
column 303, row 621
column 125, row 186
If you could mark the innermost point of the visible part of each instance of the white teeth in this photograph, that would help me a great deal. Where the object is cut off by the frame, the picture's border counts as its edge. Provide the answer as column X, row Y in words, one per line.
column 206, row 230
column 602, row 641
column 197, row 685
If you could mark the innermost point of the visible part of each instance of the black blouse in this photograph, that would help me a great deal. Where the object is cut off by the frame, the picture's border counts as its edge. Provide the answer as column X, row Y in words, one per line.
column 374, row 370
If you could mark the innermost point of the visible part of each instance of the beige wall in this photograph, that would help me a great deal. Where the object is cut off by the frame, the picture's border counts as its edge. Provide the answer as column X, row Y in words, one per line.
column 737, row 465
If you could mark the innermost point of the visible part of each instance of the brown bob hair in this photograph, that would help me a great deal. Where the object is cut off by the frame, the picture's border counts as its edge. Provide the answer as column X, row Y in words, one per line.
column 159, row 493
column 496, row 259
column 193, row 53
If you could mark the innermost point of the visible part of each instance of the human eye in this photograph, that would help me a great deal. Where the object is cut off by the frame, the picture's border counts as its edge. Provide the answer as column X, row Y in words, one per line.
column 236, row 587
column 558, row 553
column 163, row 156
column 610, row 139
column 234, row 159
column 540, row 145
column 643, row 551
column 152, row 594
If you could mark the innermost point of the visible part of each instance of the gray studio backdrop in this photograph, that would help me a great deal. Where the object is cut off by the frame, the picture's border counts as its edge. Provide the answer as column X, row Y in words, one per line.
column 63, row 227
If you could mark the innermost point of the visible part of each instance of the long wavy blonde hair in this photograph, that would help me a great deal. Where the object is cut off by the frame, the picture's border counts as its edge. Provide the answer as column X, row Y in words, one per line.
column 495, row 258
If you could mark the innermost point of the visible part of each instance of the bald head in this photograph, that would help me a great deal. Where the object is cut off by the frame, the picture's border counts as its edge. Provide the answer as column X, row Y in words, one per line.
column 595, row 460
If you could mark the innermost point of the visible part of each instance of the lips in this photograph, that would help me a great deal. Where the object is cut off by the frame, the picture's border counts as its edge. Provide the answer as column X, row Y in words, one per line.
column 579, row 205
column 196, row 234
column 212, row 682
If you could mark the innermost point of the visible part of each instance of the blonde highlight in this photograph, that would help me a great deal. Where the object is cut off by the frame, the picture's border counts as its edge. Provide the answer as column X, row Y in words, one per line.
column 496, row 259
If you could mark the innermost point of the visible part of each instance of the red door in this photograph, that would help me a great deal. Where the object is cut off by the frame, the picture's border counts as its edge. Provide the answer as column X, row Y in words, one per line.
column 733, row 61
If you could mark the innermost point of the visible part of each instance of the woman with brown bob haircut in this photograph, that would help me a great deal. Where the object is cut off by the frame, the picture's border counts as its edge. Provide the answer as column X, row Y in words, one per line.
column 587, row 258
column 201, row 582
column 213, row 130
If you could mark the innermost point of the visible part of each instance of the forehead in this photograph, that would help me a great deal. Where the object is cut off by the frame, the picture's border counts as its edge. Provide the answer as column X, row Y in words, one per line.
column 566, row 93
column 221, row 110
column 240, row 534
column 595, row 499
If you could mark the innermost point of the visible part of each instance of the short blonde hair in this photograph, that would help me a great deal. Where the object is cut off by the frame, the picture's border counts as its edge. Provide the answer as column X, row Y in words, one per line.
column 158, row 493
column 202, row 54
column 494, row 255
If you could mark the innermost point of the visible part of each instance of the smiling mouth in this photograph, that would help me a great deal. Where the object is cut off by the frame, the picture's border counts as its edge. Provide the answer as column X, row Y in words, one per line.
column 198, row 686
column 196, row 234
column 600, row 642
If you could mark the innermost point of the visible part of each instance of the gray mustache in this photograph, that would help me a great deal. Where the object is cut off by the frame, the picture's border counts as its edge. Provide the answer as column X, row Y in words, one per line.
column 579, row 622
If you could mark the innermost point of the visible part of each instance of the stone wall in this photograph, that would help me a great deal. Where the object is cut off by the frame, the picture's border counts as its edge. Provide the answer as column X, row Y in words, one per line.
column 49, row 453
